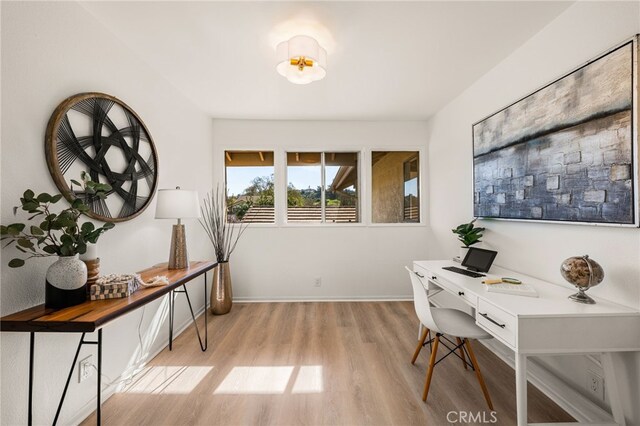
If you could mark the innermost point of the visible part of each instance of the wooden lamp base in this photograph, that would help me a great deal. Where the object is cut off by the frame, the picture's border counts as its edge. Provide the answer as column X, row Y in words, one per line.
column 178, row 258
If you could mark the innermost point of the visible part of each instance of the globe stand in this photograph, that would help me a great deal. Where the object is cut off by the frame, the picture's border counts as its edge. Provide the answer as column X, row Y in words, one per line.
column 576, row 274
column 581, row 297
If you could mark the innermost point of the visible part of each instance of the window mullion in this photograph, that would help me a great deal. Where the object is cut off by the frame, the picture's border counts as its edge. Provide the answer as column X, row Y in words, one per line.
column 322, row 188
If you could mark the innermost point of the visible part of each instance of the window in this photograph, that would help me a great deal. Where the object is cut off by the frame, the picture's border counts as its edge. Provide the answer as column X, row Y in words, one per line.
column 341, row 187
column 249, row 184
column 395, row 189
column 411, row 204
column 322, row 187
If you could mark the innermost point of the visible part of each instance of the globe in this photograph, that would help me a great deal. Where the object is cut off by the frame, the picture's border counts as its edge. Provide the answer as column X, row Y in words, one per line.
column 584, row 273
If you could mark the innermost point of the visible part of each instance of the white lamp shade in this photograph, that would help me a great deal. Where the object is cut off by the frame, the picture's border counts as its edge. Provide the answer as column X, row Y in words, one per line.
column 301, row 46
column 304, row 46
column 177, row 204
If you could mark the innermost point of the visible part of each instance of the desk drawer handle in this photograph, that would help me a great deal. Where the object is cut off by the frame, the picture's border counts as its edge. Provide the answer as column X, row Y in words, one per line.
column 419, row 274
column 461, row 293
column 492, row 320
column 433, row 277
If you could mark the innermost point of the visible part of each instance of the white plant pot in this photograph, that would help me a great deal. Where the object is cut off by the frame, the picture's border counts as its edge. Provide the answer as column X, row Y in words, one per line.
column 67, row 273
column 66, row 282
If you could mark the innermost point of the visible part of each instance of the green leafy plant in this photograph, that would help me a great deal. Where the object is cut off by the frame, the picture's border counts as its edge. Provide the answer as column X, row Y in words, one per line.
column 57, row 234
column 468, row 233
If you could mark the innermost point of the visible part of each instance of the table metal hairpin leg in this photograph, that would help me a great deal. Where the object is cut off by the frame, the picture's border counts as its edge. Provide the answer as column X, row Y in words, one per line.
column 203, row 344
column 99, row 390
column 66, row 385
column 171, row 302
column 32, row 342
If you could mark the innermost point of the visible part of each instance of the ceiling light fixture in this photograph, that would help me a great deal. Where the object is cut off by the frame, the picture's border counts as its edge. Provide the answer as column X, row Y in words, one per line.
column 301, row 60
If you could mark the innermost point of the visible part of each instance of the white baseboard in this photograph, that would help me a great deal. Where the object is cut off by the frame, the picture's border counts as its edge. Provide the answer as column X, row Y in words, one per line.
column 110, row 390
column 579, row 407
column 322, row 299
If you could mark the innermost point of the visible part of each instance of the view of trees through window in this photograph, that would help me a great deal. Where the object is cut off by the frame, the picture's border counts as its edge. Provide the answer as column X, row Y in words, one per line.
column 250, row 188
column 322, row 187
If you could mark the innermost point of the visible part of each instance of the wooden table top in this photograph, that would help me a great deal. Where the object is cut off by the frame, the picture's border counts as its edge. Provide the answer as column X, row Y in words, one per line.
column 94, row 314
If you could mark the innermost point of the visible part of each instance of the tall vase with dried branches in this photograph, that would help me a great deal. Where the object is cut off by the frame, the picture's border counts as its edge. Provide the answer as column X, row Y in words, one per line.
column 224, row 236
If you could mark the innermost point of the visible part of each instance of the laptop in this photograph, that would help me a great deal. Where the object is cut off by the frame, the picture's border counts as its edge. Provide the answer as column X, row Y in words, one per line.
column 477, row 260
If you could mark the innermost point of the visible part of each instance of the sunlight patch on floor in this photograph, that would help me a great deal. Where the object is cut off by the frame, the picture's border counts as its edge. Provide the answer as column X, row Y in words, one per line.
column 309, row 380
column 256, row 380
column 272, row 380
column 168, row 379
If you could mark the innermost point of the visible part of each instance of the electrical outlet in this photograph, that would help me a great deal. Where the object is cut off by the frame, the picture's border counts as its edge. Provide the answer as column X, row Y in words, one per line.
column 317, row 282
column 85, row 368
column 595, row 385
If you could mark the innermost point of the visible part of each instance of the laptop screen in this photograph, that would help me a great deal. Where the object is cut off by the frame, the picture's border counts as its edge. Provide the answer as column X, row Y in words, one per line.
column 479, row 260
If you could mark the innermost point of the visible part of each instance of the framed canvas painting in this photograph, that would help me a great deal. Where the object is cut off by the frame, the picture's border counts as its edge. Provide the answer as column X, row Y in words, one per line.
column 567, row 152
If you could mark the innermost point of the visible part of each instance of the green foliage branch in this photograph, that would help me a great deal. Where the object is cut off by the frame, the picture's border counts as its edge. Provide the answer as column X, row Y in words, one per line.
column 57, row 234
column 468, row 233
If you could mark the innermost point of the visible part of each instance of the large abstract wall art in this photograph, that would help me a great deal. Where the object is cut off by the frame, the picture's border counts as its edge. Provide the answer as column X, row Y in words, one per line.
column 566, row 152
column 99, row 134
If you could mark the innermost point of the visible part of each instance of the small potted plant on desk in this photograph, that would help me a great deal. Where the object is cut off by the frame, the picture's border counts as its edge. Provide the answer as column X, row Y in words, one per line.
column 57, row 234
column 469, row 235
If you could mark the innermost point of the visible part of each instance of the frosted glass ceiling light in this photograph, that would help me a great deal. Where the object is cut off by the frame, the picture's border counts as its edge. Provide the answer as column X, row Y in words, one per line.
column 301, row 60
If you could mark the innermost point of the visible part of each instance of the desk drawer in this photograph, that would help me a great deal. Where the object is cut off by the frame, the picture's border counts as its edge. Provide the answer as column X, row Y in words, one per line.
column 469, row 299
column 435, row 282
column 464, row 296
column 498, row 322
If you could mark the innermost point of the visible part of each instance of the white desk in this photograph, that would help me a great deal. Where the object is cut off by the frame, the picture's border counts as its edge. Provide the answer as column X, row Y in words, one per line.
column 550, row 324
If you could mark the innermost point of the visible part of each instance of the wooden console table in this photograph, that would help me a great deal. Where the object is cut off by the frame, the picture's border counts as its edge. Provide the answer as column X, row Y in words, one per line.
column 92, row 315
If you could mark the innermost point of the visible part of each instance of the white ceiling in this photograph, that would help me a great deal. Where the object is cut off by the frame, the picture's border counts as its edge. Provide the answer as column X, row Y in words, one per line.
column 386, row 60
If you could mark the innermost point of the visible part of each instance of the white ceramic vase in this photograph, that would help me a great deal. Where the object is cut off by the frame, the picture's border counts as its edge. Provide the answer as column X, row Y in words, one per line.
column 67, row 273
column 66, row 282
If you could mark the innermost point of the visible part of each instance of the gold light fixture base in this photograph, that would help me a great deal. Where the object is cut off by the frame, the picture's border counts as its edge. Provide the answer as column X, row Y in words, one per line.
column 301, row 62
column 178, row 258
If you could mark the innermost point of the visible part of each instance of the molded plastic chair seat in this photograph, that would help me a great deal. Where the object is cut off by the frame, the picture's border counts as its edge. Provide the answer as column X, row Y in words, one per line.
column 441, row 321
column 457, row 323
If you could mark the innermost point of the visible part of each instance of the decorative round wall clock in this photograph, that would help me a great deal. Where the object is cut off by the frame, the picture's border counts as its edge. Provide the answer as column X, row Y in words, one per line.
column 101, row 135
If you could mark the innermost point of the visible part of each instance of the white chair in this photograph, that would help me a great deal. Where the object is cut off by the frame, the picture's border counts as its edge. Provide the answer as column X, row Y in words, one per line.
column 445, row 321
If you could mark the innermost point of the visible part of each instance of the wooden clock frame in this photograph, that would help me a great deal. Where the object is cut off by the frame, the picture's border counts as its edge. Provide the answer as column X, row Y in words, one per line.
column 63, row 148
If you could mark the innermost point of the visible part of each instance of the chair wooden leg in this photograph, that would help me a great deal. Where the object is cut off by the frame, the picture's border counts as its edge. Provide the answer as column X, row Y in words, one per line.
column 485, row 391
column 420, row 343
column 432, row 362
column 464, row 362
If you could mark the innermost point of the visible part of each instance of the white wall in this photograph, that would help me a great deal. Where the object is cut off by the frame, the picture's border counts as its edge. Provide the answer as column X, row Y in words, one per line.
column 582, row 32
column 51, row 51
column 355, row 261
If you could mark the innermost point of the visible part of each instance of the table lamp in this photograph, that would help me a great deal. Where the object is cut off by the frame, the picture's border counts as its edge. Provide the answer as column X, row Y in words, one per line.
column 177, row 204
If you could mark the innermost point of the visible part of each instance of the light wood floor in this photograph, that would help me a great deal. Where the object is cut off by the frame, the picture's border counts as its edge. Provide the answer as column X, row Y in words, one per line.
column 314, row 364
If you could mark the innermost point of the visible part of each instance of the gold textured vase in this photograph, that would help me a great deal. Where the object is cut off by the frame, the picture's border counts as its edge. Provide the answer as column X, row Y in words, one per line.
column 221, row 294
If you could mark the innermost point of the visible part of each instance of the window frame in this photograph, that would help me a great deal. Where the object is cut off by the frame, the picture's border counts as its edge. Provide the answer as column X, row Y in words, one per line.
column 422, row 173
column 364, row 178
column 275, row 183
column 322, row 153
column 415, row 158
